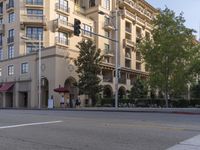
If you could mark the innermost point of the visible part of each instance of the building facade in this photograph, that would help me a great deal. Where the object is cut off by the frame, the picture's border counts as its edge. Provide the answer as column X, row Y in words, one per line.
column 21, row 23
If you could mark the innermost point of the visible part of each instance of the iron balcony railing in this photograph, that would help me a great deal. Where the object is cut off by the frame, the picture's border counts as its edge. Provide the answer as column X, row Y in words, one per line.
column 63, row 41
column 34, row 2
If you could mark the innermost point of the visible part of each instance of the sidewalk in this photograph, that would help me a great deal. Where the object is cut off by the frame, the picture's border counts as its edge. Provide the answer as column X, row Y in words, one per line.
column 189, row 111
column 144, row 110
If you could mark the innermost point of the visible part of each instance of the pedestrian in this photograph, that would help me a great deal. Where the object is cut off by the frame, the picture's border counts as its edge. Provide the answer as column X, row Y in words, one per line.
column 68, row 103
column 62, row 102
column 77, row 103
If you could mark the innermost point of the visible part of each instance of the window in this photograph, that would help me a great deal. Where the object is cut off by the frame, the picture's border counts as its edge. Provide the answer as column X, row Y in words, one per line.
column 11, row 34
column 107, row 34
column 10, row 4
column 91, row 3
column 24, row 68
column 147, row 36
column 128, row 63
column 62, row 18
column 107, row 47
column 138, row 56
column 138, row 66
column 1, row 54
column 107, row 4
column 35, row 12
column 11, row 17
column 107, row 20
column 87, row 28
column 35, row 2
column 1, row 39
column 62, row 38
column 1, row 20
column 128, row 52
column 10, row 70
column 1, row 8
column 63, row 5
column 10, row 51
column 31, row 47
column 34, row 32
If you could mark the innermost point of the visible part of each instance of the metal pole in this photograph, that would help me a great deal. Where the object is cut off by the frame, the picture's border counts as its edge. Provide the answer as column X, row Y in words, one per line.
column 39, row 70
column 116, row 59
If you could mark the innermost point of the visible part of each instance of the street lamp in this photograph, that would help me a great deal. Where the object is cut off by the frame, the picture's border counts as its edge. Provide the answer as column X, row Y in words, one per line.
column 116, row 54
column 39, row 65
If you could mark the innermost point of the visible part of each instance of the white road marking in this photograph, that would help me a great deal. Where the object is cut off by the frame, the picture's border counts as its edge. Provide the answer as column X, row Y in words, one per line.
column 190, row 144
column 29, row 124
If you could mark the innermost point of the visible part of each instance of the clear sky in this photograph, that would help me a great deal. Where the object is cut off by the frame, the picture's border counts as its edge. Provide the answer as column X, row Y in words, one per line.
column 190, row 8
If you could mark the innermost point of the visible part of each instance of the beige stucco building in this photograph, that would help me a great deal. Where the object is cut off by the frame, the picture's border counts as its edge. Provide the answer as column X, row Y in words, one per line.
column 54, row 20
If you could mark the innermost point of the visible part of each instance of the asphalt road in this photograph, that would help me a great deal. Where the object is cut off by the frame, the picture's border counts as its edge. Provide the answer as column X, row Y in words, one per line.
column 80, row 130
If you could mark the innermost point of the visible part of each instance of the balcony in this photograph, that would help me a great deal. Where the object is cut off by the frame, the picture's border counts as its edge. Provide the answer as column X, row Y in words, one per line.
column 107, row 75
column 10, row 39
column 87, row 34
column 62, row 25
column 122, row 80
column 33, row 37
column 128, row 30
column 107, row 79
column 127, row 14
column 10, row 6
column 141, row 22
column 108, row 26
column 128, row 42
column 62, row 41
column 33, row 3
column 2, row 29
column 108, row 52
column 62, row 8
column 32, row 19
column 133, row 6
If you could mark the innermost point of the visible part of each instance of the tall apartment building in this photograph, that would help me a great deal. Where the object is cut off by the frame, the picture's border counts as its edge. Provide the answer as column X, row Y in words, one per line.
column 53, row 20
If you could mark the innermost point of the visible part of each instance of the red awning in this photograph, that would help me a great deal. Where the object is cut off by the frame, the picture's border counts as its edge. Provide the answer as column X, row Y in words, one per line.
column 61, row 90
column 6, row 87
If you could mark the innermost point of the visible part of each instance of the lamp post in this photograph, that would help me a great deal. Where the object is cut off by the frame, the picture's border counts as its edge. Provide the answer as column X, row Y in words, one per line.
column 116, row 58
column 39, row 66
column 116, row 53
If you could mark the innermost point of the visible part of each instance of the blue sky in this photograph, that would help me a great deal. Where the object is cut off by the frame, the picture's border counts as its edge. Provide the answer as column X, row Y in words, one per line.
column 190, row 8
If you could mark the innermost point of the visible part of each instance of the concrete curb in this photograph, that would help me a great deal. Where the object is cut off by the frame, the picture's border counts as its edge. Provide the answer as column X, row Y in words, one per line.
column 186, row 111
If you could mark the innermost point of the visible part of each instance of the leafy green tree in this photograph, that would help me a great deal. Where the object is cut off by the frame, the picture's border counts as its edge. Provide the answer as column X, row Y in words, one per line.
column 88, row 69
column 139, row 89
column 195, row 90
column 169, row 53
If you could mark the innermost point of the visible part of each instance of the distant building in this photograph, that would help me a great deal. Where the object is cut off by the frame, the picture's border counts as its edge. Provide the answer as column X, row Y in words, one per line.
column 54, row 19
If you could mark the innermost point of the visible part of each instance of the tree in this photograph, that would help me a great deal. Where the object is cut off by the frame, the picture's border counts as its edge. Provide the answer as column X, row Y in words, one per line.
column 195, row 90
column 88, row 69
column 139, row 89
column 169, row 53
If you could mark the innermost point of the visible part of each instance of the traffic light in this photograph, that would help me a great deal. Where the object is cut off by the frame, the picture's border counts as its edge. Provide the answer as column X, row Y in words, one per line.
column 77, row 27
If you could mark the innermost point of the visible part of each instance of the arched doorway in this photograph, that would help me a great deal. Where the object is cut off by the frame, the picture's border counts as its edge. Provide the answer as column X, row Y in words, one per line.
column 107, row 91
column 44, row 92
column 122, row 92
column 70, row 84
